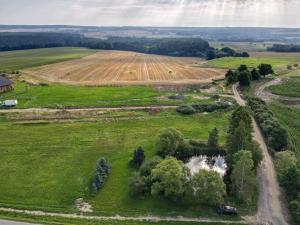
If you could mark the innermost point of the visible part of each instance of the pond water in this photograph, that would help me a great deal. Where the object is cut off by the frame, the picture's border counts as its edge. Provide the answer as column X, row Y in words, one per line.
column 203, row 162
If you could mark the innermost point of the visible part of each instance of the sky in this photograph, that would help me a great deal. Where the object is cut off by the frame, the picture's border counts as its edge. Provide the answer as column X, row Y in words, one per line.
column 192, row 13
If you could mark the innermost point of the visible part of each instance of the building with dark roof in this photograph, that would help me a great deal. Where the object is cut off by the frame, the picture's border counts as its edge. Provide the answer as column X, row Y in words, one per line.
column 5, row 84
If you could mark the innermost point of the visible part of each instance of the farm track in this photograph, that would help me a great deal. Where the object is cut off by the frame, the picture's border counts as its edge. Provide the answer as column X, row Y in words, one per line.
column 117, row 67
column 270, row 207
column 118, row 218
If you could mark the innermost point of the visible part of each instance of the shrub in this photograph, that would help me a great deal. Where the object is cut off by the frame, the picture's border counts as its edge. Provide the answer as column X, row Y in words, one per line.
column 168, row 141
column 102, row 171
column 186, row 109
column 200, row 108
column 148, row 165
column 138, row 185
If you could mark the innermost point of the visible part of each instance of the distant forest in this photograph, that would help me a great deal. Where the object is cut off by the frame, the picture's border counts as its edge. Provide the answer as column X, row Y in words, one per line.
column 184, row 47
column 284, row 48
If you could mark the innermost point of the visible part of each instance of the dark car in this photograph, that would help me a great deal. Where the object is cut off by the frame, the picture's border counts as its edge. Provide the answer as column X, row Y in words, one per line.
column 227, row 210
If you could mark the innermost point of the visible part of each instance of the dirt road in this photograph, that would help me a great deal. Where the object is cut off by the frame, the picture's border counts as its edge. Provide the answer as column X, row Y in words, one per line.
column 270, row 209
column 6, row 222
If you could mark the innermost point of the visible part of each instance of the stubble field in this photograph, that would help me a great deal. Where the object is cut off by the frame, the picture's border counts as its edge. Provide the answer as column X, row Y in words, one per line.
column 120, row 67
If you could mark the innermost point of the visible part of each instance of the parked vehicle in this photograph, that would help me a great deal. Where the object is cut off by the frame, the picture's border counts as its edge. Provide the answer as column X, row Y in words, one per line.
column 9, row 103
column 227, row 210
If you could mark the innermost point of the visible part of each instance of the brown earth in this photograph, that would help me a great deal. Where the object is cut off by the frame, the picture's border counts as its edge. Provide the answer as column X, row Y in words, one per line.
column 121, row 68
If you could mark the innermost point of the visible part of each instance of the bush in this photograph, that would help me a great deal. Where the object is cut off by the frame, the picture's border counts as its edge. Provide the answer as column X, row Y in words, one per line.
column 148, row 165
column 138, row 185
column 168, row 142
column 102, row 171
column 186, row 109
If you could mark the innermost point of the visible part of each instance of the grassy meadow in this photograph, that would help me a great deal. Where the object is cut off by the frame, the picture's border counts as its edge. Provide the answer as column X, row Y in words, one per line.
column 290, row 119
column 290, row 86
column 234, row 62
column 49, row 165
column 58, row 95
column 17, row 60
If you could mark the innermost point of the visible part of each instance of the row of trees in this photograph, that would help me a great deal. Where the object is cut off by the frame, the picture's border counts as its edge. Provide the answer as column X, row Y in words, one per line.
column 284, row 48
column 244, row 76
column 275, row 134
column 243, row 156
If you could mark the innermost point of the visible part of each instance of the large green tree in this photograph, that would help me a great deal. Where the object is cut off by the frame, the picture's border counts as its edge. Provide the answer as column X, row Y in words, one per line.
column 265, row 69
column 243, row 177
column 213, row 139
column 169, row 179
column 168, row 141
column 208, row 188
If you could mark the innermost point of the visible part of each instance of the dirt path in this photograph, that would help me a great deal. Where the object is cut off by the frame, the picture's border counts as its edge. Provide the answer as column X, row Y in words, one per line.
column 267, row 96
column 270, row 209
column 104, row 109
column 117, row 217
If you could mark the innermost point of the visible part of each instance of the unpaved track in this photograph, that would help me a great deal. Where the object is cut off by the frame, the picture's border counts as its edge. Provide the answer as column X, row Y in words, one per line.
column 104, row 109
column 6, row 222
column 117, row 217
column 270, row 208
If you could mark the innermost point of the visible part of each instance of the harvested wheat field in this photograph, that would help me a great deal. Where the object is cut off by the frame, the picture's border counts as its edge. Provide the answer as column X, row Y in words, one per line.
column 120, row 67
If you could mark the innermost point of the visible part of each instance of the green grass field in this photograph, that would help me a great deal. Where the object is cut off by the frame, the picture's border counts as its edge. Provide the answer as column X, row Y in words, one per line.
column 234, row 62
column 290, row 87
column 290, row 118
column 242, row 46
column 57, row 95
column 17, row 60
column 49, row 165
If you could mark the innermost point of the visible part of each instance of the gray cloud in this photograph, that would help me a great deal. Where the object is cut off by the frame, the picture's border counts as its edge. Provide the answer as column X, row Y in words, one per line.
column 279, row 13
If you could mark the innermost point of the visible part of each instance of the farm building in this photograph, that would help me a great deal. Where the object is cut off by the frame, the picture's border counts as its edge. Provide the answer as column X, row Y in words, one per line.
column 5, row 84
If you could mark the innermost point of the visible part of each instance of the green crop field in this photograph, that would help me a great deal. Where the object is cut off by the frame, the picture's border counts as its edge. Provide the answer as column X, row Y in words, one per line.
column 56, row 95
column 17, row 60
column 234, row 62
column 290, row 118
column 290, row 87
column 242, row 46
column 49, row 165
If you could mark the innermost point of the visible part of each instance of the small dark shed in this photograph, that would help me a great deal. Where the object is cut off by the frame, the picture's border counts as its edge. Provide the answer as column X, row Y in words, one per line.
column 5, row 84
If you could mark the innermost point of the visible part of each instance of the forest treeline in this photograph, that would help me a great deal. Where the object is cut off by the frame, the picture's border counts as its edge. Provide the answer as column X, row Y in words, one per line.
column 184, row 47
column 284, row 48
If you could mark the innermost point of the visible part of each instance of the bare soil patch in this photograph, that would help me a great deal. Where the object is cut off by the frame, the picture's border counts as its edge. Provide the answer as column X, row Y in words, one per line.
column 127, row 68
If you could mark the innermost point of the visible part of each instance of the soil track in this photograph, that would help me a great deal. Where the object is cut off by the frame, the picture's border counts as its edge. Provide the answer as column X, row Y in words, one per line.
column 270, row 209
column 127, row 68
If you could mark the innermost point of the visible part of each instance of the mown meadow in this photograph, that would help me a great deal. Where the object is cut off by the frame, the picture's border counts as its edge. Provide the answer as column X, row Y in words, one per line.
column 49, row 165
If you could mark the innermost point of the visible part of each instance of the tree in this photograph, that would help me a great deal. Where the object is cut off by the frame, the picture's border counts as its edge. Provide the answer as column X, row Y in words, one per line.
column 283, row 162
column 295, row 210
column 138, row 157
column 257, row 155
column 211, row 55
column 255, row 75
column 244, row 78
column 240, row 139
column 238, row 115
column 265, row 69
column 243, row 176
column 208, row 187
column 148, row 165
column 242, row 68
column 138, row 185
column 102, row 171
column 291, row 182
column 168, row 141
column 213, row 139
column 169, row 179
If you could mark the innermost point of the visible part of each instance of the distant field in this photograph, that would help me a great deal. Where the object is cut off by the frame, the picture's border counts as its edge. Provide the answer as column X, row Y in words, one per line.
column 49, row 165
column 58, row 95
column 242, row 46
column 120, row 67
column 234, row 62
column 290, row 86
column 17, row 60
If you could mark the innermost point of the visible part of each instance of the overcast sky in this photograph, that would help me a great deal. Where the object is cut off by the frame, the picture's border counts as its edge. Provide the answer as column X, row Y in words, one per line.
column 264, row 13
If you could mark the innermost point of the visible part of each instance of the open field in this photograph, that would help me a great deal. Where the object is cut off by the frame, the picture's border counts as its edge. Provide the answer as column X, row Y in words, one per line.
column 49, row 165
column 59, row 95
column 119, row 67
column 234, row 62
column 290, row 118
column 290, row 86
column 242, row 46
column 17, row 60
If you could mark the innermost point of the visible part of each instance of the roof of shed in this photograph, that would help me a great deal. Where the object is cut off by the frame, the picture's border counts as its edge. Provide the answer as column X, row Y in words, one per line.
column 4, row 81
